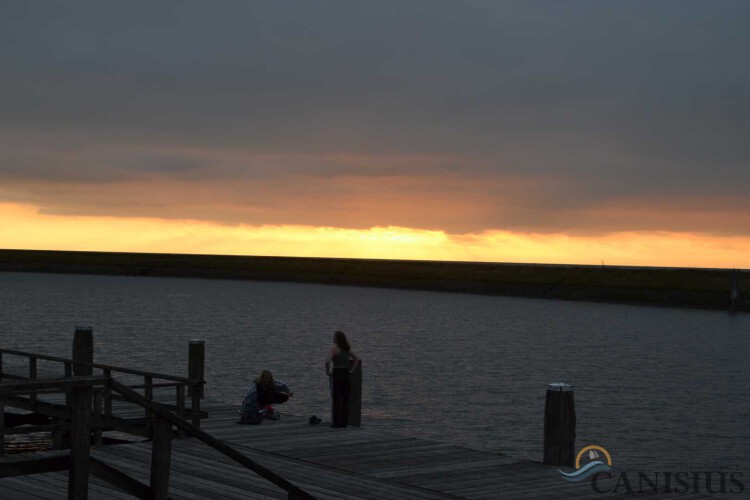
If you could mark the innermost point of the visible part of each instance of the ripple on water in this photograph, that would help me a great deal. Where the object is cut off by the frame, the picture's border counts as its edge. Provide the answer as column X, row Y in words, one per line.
column 652, row 385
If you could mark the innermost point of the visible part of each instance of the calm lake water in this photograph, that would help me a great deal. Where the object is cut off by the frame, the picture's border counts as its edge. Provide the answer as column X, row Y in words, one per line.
column 654, row 386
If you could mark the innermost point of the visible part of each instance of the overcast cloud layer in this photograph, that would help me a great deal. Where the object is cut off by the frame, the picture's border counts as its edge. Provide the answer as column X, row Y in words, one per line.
column 576, row 117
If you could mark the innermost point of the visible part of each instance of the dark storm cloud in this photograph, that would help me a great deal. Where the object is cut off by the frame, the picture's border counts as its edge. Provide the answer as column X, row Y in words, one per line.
column 595, row 103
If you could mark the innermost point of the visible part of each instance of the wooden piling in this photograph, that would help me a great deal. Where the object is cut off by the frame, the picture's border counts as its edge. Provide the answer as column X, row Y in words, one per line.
column 196, row 360
column 83, row 351
column 355, row 396
column 559, row 425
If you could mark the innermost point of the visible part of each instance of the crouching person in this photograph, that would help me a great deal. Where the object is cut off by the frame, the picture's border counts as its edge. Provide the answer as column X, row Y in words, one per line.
column 263, row 394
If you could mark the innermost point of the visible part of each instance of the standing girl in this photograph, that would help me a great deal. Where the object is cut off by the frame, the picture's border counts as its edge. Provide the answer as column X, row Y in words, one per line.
column 341, row 354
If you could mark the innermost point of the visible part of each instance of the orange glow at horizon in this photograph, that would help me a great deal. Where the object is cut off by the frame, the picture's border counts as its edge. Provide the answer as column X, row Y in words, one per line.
column 22, row 227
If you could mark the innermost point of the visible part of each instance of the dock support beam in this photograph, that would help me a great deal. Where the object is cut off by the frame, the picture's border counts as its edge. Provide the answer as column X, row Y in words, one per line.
column 80, row 443
column 559, row 425
column 161, row 457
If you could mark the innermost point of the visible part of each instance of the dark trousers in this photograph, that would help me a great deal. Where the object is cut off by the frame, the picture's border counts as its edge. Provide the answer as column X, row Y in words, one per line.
column 340, row 390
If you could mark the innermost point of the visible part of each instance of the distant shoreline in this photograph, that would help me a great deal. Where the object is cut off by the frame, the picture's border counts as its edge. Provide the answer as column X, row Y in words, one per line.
column 658, row 286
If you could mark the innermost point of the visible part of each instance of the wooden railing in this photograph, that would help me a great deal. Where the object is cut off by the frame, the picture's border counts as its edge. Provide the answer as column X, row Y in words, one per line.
column 81, row 392
column 103, row 398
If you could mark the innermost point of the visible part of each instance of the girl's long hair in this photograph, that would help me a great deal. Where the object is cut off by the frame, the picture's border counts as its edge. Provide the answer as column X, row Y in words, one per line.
column 340, row 340
column 265, row 380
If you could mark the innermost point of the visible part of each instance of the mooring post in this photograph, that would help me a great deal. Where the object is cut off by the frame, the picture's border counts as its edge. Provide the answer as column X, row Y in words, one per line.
column 83, row 351
column 559, row 425
column 355, row 396
column 196, row 359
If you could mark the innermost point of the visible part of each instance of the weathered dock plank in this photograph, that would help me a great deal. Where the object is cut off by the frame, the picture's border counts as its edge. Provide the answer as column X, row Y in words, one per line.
column 335, row 464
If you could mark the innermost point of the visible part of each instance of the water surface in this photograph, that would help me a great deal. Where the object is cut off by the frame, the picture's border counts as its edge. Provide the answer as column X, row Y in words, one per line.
column 654, row 386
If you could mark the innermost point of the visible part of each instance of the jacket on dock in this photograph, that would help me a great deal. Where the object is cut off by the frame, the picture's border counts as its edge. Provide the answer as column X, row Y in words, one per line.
column 250, row 403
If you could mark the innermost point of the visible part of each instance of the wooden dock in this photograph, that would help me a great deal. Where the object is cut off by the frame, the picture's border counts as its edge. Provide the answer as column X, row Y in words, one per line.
column 221, row 459
column 336, row 464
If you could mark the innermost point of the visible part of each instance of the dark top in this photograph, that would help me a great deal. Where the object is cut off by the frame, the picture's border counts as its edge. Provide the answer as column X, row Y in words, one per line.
column 341, row 360
column 265, row 395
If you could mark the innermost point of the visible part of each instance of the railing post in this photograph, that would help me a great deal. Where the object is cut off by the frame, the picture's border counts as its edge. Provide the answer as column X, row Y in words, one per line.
column 80, row 443
column 61, row 438
column 180, row 407
column 559, row 425
column 355, row 396
column 98, row 416
column 148, row 393
column 196, row 408
column 161, row 451
column 32, row 376
column 2, row 427
column 107, row 395
column 196, row 360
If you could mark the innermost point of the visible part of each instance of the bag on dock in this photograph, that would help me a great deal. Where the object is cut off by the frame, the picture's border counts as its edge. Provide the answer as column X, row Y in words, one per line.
column 254, row 419
column 314, row 420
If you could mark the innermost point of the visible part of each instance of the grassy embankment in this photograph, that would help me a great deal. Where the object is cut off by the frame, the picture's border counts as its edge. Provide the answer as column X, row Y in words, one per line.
column 681, row 287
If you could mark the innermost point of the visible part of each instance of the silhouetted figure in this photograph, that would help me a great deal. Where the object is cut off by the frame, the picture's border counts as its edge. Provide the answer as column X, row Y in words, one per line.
column 340, row 356
column 263, row 394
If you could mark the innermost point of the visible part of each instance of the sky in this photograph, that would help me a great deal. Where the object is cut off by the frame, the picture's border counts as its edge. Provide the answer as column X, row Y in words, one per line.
column 529, row 131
